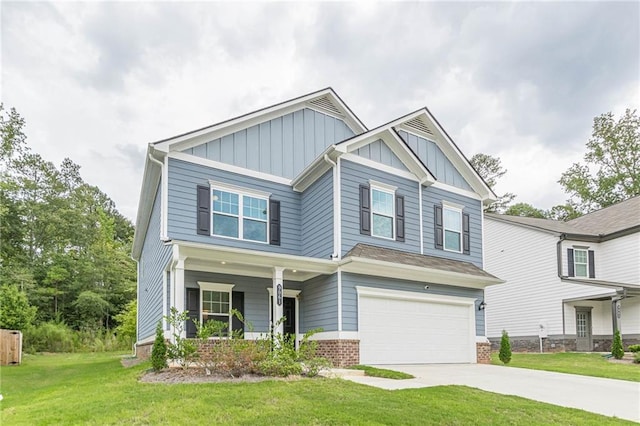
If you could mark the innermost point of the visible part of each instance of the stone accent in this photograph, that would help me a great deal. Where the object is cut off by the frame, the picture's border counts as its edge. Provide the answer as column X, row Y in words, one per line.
column 560, row 343
column 143, row 351
column 483, row 352
column 342, row 353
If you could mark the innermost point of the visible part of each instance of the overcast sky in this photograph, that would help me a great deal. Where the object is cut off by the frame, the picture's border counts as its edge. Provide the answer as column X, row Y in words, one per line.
column 96, row 82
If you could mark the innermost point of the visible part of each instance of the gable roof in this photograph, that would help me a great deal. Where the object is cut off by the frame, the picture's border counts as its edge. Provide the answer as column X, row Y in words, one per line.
column 326, row 101
column 607, row 222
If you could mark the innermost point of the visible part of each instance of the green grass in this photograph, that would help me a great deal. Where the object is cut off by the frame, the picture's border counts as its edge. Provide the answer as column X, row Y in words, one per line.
column 382, row 372
column 96, row 389
column 585, row 364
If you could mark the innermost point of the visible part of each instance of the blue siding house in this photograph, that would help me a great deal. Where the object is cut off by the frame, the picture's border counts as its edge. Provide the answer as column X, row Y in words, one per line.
column 374, row 236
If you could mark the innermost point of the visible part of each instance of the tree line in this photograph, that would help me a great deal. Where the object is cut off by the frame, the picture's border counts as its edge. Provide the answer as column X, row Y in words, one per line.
column 65, row 248
column 609, row 174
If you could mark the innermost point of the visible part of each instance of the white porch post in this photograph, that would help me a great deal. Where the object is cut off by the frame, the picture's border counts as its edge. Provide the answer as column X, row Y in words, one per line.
column 278, row 295
column 178, row 288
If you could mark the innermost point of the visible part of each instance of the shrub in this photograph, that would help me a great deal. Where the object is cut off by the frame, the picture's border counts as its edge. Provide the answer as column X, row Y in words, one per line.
column 50, row 337
column 636, row 357
column 634, row 348
column 617, row 349
column 505, row 348
column 15, row 311
column 126, row 329
column 159, row 351
column 181, row 350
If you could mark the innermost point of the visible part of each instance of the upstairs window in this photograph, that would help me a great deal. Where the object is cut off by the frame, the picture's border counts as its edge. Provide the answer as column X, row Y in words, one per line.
column 239, row 215
column 580, row 263
column 452, row 229
column 382, row 213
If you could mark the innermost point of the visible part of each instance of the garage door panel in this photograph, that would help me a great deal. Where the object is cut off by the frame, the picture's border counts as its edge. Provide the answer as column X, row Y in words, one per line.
column 396, row 331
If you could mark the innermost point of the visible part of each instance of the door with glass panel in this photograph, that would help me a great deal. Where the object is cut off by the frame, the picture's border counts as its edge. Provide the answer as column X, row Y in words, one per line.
column 584, row 341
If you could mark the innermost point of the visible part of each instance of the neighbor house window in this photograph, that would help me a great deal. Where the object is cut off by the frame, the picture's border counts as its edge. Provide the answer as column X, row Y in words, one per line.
column 580, row 262
column 452, row 229
column 238, row 215
column 382, row 212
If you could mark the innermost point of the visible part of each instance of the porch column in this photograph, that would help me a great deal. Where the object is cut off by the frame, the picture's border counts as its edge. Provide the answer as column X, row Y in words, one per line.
column 178, row 288
column 278, row 294
column 616, row 312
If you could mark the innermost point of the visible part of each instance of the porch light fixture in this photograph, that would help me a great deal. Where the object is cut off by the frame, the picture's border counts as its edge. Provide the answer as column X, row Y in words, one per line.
column 294, row 271
column 481, row 306
column 223, row 262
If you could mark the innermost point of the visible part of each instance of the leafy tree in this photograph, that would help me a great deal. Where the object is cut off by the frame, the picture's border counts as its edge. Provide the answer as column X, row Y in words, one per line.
column 15, row 311
column 92, row 309
column 127, row 322
column 562, row 212
column 526, row 210
column 611, row 172
column 490, row 168
column 505, row 348
column 617, row 350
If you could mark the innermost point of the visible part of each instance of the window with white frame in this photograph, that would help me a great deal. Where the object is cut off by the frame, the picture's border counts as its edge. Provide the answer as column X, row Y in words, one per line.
column 581, row 263
column 452, row 224
column 239, row 215
column 382, row 212
column 215, row 303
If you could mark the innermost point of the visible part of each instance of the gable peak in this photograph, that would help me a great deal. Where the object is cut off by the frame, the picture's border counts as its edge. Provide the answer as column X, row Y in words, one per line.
column 326, row 104
column 419, row 124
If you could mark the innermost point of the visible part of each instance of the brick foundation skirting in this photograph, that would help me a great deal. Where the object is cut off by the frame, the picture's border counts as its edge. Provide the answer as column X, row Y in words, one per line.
column 342, row 353
column 483, row 352
column 143, row 350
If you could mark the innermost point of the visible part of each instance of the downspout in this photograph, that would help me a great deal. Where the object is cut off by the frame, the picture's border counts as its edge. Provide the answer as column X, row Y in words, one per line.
column 559, row 261
column 158, row 162
column 336, row 200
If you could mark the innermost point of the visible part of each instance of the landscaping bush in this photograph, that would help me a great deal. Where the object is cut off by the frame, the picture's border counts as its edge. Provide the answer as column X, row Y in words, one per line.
column 636, row 357
column 505, row 348
column 181, row 350
column 159, row 351
column 634, row 348
column 617, row 350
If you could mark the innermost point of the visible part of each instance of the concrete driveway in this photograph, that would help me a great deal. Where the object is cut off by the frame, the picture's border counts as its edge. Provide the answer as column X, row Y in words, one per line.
column 603, row 396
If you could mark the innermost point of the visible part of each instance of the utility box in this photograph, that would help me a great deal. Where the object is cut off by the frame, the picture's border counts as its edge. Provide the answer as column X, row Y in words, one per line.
column 10, row 347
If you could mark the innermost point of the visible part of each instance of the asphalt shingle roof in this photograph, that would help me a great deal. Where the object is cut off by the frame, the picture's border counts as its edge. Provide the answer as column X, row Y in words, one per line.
column 424, row 261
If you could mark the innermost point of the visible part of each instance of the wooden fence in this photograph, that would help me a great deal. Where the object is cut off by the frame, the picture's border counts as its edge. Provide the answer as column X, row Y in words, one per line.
column 10, row 347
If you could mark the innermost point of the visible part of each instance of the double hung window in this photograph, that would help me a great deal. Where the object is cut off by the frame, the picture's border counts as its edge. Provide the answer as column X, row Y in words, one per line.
column 580, row 261
column 239, row 215
column 215, row 303
column 382, row 213
column 452, row 229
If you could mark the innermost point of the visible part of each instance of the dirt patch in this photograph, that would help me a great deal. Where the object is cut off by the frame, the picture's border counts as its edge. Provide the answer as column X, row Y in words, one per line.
column 130, row 361
column 198, row 375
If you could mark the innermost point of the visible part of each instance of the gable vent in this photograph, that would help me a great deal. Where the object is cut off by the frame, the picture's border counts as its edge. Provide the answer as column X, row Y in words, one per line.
column 419, row 124
column 326, row 104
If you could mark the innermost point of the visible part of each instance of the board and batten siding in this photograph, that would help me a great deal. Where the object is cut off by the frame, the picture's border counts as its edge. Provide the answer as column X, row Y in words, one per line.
column 184, row 177
column 353, row 175
column 154, row 258
column 350, row 296
column 317, row 218
column 435, row 160
column 283, row 146
column 256, row 294
column 435, row 196
column 533, row 293
column 380, row 152
column 320, row 300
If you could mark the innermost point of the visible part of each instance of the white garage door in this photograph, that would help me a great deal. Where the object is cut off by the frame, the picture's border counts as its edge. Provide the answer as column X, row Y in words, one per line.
column 412, row 328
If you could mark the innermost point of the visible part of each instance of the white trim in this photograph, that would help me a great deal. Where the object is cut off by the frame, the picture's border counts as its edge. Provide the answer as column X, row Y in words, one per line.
column 241, row 193
column 164, row 200
column 384, row 293
column 383, row 186
column 386, row 189
column 482, row 339
column 164, row 298
column 292, row 294
column 412, row 131
column 287, row 292
column 452, row 207
column 338, row 208
column 575, row 263
column 146, row 340
column 223, row 288
column 379, row 166
column 229, row 168
column 420, row 213
column 220, row 288
column 331, row 114
column 456, row 190
column 227, row 187
column 336, row 335
column 339, row 299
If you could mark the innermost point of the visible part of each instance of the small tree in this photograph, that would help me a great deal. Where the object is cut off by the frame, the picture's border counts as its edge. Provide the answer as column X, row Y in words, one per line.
column 15, row 311
column 159, row 351
column 181, row 350
column 505, row 348
column 126, row 328
column 617, row 349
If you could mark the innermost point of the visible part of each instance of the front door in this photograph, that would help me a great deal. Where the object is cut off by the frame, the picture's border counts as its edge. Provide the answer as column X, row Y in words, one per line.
column 289, row 312
column 583, row 330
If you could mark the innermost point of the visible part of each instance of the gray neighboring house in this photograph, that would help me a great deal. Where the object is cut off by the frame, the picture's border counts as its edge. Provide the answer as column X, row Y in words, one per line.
column 569, row 285
column 299, row 211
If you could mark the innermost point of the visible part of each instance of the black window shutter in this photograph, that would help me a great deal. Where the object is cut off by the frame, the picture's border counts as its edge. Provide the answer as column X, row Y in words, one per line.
column 466, row 243
column 439, row 232
column 592, row 264
column 399, row 218
column 570, row 268
column 203, row 204
column 237, row 302
column 193, row 308
column 274, row 222
column 365, row 210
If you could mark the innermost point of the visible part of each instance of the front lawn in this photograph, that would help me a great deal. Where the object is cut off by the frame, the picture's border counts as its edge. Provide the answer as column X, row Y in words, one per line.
column 96, row 389
column 585, row 364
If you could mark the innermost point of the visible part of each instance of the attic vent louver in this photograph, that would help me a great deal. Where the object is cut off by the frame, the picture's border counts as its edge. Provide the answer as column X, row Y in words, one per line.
column 418, row 124
column 326, row 104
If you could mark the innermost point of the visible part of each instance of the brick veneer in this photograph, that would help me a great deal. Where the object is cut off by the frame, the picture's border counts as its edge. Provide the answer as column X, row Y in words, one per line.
column 143, row 351
column 483, row 352
column 342, row 353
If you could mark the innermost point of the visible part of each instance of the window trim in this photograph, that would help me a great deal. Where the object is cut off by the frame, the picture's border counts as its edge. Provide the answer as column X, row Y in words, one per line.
column 387, row 189
column 220, row 288
column 241, row 193
column 585, row 263
column 458, row 209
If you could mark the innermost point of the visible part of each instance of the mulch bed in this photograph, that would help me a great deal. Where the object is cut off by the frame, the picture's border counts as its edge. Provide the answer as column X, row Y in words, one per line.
column 176, row 375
